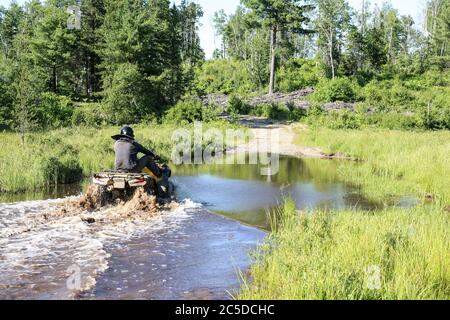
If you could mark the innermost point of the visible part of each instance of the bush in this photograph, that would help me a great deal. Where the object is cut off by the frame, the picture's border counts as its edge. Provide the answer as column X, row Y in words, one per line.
column 88, row 114
column 125, row 98
column 237, row 106
column 338, row 89
column 223, row 76
column 338, row 119
column 190, row 110
column 389, row 95
column 53, row 111
column 297, row 74
column 272, row 111
column 434, row 108
column 65, row 169
column 58, row 161
column 391, row 120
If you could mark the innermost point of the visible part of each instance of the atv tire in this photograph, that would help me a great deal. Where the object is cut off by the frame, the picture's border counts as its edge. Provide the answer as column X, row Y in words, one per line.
column 103, row 196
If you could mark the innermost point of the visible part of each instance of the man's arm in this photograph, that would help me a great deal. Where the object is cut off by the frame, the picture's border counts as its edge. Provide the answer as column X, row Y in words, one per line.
column 145, row 151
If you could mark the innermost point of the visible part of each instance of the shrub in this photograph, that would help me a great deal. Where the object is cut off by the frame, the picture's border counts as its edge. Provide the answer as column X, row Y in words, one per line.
column 338, row 119
column 296, row 114
column 125, row 97
column 271, row 111
column 88, row 114
column 237, row 106
column 65, row 169
column 391, row 120
column 58, row 161
column 223, row 76
column 190, row 110
column 297, row 74
column 53, row 111
column 388, row 95
column 434, row 108
column 338, row 89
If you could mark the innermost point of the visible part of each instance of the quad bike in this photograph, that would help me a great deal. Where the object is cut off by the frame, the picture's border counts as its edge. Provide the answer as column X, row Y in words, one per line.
column 116, row 185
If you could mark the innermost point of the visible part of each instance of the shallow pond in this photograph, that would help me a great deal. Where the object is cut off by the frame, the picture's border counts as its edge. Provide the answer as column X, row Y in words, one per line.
column 194, row 252
column 242, row 193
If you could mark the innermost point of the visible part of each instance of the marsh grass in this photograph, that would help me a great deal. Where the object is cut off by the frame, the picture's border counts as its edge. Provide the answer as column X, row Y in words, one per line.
column 392, row 162
column 69, row 154
column 389, row 254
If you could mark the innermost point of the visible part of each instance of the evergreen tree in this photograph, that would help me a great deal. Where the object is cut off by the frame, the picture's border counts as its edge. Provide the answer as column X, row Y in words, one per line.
column 54, row 47
column 87, row 72
column 278, row 15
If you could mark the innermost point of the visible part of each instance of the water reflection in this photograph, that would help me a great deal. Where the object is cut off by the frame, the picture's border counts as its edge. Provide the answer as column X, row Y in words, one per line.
column 242, row 193
column 53, row 192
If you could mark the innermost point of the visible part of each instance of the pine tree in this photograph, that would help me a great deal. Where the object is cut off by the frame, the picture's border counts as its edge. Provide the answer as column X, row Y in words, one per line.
column 54, row 46
column 278, row 15
column 87, row 46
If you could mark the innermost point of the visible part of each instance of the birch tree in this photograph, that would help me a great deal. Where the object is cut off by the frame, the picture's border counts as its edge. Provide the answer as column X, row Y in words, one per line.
column 332, row 20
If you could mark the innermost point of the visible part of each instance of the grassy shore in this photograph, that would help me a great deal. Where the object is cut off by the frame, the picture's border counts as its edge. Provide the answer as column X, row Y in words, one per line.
column 390, row 254
column 69, row 154
column 392, row 162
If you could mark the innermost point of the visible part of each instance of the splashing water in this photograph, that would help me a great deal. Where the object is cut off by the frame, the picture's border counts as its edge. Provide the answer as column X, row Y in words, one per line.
column 55, row 249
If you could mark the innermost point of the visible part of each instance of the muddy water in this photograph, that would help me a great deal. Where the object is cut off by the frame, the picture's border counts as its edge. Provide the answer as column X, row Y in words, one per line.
column 199, row 259
column 185, row 253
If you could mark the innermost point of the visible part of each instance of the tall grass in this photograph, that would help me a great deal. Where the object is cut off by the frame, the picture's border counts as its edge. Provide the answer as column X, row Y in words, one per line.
column 393, row 162
column 66, row 155
column 391, row 254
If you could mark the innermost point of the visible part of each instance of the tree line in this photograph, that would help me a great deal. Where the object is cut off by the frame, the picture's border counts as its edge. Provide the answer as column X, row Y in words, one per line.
column 131, row 60
column 340, row 40
column 133, row 57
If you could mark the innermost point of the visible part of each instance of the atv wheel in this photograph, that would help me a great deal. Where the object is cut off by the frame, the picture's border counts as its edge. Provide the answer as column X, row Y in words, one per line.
column 103, row 196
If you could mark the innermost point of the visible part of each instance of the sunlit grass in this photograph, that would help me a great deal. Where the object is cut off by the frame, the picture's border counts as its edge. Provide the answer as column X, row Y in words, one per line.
column 393, row 162
column 390, row 254
column 66, row 155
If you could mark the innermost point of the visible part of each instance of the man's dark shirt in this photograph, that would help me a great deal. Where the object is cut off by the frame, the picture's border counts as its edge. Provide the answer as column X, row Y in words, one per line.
column 126, row 154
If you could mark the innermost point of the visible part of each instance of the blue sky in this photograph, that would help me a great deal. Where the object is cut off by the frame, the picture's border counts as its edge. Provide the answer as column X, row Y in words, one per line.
column 412, row 7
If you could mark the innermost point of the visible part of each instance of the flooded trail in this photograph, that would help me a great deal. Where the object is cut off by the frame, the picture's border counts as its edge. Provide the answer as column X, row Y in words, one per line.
column 64, row 257
column 198, row 259
column 193, row 250
column 183, row 252
column 35, row 258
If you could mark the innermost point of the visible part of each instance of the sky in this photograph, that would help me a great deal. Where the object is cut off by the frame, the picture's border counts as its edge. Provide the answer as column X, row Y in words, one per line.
column 209, row 42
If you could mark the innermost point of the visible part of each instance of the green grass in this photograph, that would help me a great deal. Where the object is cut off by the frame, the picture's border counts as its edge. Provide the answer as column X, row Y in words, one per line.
column 333, row 255
column 66, row 155
column 392, row 162
column 337, row 256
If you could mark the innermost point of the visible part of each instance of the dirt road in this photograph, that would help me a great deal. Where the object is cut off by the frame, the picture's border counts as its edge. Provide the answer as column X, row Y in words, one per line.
column 278, row 137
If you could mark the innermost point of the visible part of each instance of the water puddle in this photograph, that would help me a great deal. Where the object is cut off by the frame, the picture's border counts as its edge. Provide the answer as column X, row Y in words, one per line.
column 242, row 193
column 199, row 259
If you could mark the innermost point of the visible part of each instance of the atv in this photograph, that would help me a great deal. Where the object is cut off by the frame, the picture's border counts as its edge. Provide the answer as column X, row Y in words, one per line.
column 115, row 186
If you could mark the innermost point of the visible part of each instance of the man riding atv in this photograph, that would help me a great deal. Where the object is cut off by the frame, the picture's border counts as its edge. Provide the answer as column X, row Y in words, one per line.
column 127, row 149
